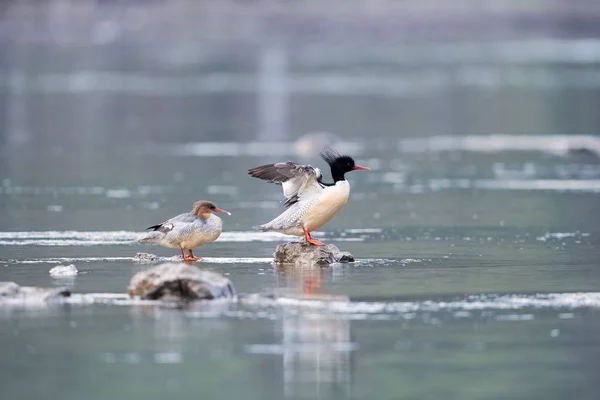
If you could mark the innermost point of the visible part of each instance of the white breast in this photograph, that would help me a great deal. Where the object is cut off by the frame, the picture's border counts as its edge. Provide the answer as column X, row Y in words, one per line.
column 200, row 233
column 329, row 202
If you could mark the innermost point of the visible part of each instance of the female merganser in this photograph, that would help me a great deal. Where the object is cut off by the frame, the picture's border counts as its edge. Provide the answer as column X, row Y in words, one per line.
column 189, row 230
column 310, row 202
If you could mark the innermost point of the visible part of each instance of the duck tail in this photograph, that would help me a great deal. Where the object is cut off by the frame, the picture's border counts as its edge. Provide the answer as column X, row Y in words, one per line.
column 263, row 228
column 151, row 237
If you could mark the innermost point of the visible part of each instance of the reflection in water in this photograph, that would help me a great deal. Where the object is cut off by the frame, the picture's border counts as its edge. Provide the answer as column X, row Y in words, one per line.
column 316, row 347
column 293, row 280
column 317, row 355
column 170, row 332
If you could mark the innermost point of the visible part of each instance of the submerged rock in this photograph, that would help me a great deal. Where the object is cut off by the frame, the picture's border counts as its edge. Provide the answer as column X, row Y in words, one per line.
column 178, row 281
column 11, row 293
column 303, row 254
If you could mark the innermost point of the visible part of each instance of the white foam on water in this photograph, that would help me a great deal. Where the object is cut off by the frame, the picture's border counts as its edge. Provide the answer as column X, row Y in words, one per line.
column 168, row 358
column 82, row 235
column 254, row 236
column 481, row 302
column 214, row 260
column 560, row 235
column 533, row 50
column 556, row 144
column 364, row 230
column 117, row 193
column 560, row 185
column 578, row 185
column 241, row 260
column 253, row 149
column 98, row 238
column 265, row 308
column 70, row 259
column 60, row 242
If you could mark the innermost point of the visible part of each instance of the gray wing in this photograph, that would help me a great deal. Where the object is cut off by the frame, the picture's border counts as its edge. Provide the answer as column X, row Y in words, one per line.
column 297, row 180
column 168, row 225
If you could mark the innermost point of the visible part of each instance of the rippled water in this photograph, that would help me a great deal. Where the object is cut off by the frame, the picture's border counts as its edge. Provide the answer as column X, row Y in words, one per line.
column 477, row 270
column 477, row 250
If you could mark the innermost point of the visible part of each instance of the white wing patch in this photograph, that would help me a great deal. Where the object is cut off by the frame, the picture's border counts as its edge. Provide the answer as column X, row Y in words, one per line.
column 296, row 180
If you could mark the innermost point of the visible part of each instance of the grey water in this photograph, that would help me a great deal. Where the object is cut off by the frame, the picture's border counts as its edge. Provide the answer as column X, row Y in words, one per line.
column 476, row 233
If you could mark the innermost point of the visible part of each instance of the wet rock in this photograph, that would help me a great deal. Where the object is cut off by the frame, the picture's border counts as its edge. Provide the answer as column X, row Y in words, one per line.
column 304, row 254
column 179, row 281
column 11, row 293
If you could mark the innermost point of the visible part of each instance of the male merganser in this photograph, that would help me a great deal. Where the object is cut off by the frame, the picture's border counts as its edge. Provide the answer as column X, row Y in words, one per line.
column 188, row 230
column 310, row 202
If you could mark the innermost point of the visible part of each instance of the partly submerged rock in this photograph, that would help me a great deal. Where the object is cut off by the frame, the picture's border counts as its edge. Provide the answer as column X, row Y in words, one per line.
column 303, row 254
column 8, row 290
column 11, row 293
column 61, row 271
column 584, row 154
column 178, row 281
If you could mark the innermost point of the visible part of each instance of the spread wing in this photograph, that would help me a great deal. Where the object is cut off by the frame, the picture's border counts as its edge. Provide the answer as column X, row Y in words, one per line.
column 297, row 180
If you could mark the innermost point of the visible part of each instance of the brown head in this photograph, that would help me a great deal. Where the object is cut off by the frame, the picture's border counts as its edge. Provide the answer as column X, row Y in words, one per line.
column 204, row 208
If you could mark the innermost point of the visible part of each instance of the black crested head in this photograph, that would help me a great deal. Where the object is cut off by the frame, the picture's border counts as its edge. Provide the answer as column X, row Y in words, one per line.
column 339, row 164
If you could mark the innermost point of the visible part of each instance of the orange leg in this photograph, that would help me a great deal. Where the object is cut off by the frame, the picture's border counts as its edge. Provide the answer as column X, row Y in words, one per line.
column 189, row 257
column 310, row 240
column 193, row 257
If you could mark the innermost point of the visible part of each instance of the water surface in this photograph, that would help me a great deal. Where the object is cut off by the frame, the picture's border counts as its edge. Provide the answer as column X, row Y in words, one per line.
column 476, row 235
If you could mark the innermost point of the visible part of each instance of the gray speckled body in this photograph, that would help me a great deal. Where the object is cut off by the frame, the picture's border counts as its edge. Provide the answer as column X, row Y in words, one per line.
column 185, row 231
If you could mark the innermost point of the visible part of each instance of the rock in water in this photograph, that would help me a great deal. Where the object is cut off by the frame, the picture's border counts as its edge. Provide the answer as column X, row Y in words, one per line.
column 61, row 271
column 8, row 290
column 178, row 281
column 11, row 293
column 303, row 254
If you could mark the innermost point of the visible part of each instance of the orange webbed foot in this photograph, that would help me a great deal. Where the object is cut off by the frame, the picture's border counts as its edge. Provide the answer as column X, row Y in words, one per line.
column 193, row 258
column 190, row 256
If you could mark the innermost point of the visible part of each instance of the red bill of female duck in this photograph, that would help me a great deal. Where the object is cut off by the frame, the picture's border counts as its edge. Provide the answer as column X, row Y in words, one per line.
column 189, row 230
column 310, row 202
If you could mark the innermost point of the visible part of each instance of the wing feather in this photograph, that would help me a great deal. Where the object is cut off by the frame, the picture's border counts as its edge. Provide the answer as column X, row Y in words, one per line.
column 296, row 180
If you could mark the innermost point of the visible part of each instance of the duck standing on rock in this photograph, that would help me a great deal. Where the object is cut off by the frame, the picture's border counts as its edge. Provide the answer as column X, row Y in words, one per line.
column 310, row 202
column 188, row 230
